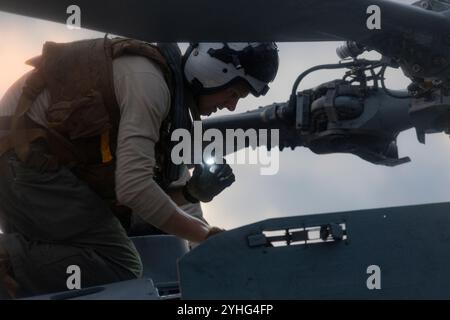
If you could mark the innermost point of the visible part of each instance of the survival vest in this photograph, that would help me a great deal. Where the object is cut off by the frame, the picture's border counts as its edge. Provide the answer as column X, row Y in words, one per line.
column 84, row 115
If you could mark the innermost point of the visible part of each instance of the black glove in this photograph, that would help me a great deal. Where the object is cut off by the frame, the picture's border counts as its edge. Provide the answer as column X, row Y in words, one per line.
column 208, row 181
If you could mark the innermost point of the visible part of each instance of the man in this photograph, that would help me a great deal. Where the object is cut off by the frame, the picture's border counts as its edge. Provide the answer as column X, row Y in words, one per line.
column 91, row 124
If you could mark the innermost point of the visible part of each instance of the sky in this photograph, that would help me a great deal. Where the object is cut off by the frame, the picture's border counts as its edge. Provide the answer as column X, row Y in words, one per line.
column 306, row 183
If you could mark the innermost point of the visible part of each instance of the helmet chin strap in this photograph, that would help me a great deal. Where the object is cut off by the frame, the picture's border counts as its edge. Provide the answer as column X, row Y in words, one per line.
column 196, row 87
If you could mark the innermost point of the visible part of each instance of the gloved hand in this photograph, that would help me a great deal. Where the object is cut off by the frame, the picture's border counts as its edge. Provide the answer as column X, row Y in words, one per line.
column 208, row 181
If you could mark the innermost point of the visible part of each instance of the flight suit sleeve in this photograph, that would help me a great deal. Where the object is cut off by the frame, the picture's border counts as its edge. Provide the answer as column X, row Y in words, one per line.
column 144, row 100
column 193, row 209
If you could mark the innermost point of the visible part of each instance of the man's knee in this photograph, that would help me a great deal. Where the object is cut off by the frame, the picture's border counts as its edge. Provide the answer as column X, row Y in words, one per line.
column 40, row 268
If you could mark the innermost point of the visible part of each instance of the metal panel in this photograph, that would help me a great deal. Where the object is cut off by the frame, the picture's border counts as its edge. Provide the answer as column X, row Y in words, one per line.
column 411, row 245
column 138, row 289
column 159, row 255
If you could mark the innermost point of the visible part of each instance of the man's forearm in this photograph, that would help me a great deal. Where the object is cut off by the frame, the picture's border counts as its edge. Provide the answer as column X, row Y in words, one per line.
column 177, row 196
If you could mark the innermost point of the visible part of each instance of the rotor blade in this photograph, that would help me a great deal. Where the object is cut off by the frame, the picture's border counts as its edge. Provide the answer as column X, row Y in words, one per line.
column 236, row 20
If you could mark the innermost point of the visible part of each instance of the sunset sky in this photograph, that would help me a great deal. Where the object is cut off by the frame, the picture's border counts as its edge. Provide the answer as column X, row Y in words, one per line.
column 306, row 183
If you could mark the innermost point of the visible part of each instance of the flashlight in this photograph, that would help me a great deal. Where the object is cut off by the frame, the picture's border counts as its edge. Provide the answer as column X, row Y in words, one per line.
column 210, row 161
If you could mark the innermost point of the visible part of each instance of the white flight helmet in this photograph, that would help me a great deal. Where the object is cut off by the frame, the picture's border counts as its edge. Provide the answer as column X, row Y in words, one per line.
column 209, row 67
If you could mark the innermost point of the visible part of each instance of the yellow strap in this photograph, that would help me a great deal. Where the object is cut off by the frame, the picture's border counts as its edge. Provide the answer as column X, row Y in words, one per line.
column 104, row 147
